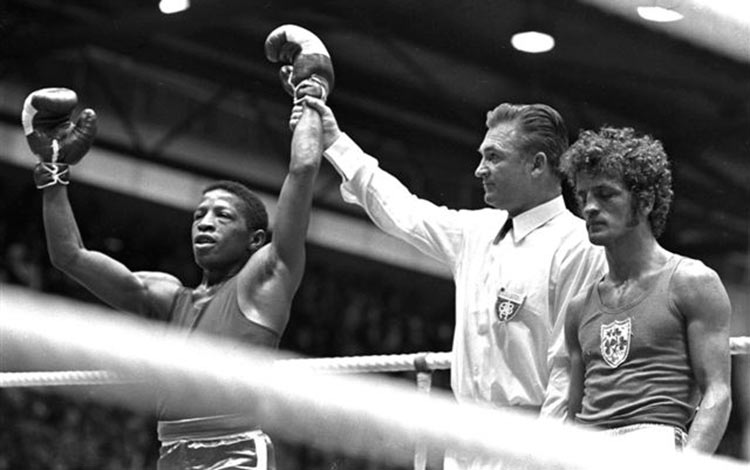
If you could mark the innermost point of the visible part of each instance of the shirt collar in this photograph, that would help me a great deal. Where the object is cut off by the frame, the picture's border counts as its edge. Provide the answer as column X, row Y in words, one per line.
column 532, row 219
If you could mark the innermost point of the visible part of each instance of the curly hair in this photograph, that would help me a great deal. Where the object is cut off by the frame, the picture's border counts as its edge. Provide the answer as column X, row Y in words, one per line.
column 253, row 208
column 542, row 126
column 639, row 161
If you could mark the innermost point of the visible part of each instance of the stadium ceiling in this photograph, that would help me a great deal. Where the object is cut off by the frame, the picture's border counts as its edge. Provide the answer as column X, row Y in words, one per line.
column 414, row 80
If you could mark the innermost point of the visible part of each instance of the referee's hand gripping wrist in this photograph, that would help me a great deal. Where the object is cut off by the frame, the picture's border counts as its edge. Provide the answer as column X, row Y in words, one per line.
column 330, row 127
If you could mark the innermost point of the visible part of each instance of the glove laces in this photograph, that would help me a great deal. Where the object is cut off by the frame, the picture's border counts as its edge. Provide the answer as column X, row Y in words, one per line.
column 48, row 174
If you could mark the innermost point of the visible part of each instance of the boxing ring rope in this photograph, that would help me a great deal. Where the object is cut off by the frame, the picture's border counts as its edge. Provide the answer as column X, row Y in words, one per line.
column 420, row 362
column 423, row 362
column 354, row 415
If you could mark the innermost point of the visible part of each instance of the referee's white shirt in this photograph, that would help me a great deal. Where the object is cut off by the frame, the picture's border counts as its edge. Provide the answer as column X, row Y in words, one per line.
column 508, row 344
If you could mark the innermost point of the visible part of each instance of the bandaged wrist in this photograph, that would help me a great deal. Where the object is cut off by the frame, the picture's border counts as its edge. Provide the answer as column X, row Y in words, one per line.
column 48, row 174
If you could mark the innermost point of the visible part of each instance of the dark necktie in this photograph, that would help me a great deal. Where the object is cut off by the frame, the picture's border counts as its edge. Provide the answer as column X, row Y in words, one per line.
column 504, row 230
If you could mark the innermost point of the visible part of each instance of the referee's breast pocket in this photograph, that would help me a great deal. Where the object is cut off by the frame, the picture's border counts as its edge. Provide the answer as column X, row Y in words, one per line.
column 508, row 304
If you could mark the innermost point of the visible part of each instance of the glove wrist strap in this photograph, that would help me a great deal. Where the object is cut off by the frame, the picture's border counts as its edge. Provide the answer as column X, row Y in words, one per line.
column 48, row 174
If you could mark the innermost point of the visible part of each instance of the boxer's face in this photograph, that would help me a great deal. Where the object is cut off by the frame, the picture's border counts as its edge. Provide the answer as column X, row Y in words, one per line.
column 220, row 234
column 504, row 169
column 607, row 207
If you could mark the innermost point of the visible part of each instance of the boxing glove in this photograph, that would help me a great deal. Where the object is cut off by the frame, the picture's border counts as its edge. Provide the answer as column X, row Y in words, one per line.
column 56, row 140
column 306, row 56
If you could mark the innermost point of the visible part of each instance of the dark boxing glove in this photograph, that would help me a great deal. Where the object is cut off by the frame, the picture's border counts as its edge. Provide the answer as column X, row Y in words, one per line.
column 57, row 141
column 306, row 56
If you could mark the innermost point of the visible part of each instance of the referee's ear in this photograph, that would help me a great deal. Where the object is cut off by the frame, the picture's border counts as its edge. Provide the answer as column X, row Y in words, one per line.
column 539, row 163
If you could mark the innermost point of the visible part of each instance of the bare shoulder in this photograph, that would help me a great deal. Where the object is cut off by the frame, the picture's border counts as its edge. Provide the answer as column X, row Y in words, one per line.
column 696, row 288
column 692, row 275
column 265, row 268
column 266, row 289
column 161, row 289
column 159, row 278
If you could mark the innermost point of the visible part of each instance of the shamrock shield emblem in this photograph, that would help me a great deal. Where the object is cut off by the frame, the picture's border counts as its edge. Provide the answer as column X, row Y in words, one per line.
column 615, row 342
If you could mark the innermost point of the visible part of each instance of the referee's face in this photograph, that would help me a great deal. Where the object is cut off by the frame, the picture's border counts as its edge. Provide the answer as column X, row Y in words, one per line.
column 504, row 169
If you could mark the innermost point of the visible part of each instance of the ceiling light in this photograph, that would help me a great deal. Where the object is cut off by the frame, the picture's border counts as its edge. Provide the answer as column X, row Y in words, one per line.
column 173, row 6
column 533, row 42
column 659, row 14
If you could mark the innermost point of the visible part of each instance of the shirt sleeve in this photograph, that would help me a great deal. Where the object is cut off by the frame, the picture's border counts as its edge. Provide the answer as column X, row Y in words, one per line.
column 435, row 230
column 576, row 269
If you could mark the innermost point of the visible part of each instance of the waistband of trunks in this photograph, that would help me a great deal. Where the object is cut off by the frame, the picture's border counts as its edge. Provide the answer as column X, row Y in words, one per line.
column 680, row 436
column 209, row 427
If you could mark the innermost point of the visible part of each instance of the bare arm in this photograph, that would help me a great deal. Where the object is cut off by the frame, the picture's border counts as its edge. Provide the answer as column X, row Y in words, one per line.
column 308, row 71
column 59, row 141
column 271, row 277
column 105, row 277
column 702, row 299
column 295, row 198
column 576, row 367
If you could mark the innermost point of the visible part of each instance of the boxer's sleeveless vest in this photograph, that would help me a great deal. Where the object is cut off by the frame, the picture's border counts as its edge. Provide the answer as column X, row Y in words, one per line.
column 636, row 359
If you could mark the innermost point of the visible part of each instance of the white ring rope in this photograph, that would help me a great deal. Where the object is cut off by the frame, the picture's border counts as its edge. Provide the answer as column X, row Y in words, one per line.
column 60, row 378
column 430, row 361
column 379, row 419
column 340, row 365
column 374, row 364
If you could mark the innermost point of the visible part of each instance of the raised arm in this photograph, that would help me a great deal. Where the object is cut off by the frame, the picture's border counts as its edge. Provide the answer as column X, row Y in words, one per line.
column 147, row 294
column 700, row 296
column 307, row 62
column 434, row 230
column 295, row 198
column 59, row 143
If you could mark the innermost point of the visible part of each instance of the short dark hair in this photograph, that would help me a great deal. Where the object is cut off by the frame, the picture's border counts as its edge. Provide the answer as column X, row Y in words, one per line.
column 256, row 216
column 542, row 127
column 638, row 160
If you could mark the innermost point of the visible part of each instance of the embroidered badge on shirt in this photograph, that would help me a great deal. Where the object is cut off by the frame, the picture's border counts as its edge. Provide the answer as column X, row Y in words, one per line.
column 615, row 342
column 507, row 305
